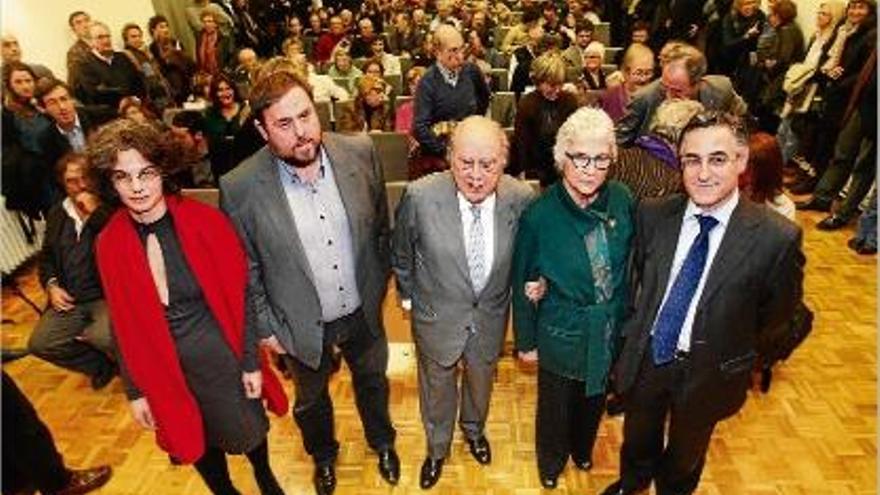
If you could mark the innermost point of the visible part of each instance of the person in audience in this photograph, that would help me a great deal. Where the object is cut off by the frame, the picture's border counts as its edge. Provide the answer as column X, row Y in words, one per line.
column 403, row 115
column 693, row 255
column 449, row 91
column 593, row 77
column 328, row 41
column 518, row 35
column 539, row 114
column 176, row 66
column 390, row 62
column 458, row 299
column 33, row 461
column 404, row 39
column 79, row 52
column 74, row 331
column 133, row 108
column 10, row 52
column 361, row 45
column 106, row 76
column 425, row 55
column 865, row 240
column 223, row 121
column 188, row 132
column 683, row 76
column 175, row 278
column 316, row 26
column 371, row 109
column 295, row 27
column 576, row 239
column 787, row 47
column 477, row 54
column 222, row 21
column 19, row 88
column 520, row 62
column 740, row 29
column 637, row 69
column 343, row 68
column 245, row 73
column 200, row 97
column 574, row 54
column 762, row 181
column 215, row 52
column 271, row 198
column 445, row 16
column 157, row 90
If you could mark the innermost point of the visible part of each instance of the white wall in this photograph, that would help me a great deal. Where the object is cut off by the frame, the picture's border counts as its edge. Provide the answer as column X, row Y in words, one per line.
column 42, row 30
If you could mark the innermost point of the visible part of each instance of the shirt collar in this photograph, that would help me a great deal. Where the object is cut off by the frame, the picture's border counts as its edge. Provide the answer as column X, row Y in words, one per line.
column 487, row 205
column 451, row 77
column 76, row 127
column 721, row 213
column 106, row 60
column 323, row 167
column 71, row 211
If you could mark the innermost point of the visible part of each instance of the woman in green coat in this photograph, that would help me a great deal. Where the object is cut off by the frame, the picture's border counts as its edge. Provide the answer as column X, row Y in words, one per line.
column 576, row 238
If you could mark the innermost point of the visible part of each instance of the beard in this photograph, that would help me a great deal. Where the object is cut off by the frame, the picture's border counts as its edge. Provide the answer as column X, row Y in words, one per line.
column 299, row 158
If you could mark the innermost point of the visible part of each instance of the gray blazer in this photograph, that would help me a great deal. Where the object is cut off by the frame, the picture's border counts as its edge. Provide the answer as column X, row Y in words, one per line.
column 715, row 93
column 282, row 299
column 430, row 264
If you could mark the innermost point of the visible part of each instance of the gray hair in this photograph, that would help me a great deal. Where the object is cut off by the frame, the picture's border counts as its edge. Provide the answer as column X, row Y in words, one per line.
column 671, row 117
column 482, row 121
column 587, row 121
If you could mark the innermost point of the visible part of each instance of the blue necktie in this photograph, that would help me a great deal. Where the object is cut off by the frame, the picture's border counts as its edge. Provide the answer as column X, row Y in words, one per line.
column 674, row 310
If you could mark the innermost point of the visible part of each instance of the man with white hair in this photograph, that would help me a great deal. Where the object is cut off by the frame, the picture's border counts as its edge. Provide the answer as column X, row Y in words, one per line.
column 106, row 76
column 451, row 253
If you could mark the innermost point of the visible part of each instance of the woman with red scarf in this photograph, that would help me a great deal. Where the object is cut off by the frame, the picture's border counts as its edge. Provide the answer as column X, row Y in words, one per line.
column 174, row 275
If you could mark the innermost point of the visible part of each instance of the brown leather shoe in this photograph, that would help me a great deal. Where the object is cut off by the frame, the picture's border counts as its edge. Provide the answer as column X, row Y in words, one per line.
column 86, row 480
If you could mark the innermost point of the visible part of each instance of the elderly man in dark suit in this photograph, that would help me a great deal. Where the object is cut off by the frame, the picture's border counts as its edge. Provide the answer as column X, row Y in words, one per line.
column 717, row 276
column 312, row 212
column 106, row 76
column 683, row 77
column 453, row 244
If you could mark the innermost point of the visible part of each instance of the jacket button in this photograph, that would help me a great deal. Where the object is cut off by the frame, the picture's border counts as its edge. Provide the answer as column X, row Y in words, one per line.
column 475, row 304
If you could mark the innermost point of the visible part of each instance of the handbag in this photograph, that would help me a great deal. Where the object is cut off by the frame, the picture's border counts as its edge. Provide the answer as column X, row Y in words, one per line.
column 796, row 78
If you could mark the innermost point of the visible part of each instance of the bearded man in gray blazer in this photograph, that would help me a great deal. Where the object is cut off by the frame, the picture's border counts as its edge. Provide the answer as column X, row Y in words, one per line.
column 452, row 248
column 312, row 214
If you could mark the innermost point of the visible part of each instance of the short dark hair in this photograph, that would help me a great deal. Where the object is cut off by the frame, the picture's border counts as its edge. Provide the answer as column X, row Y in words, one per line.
column 714, row 118
column 641, row 25
column 584, row 25
column 191, row 120
column 73, row 15
column 154, row 22
column 65, row 161
column 48, row 84
column 785, row 10
column 128, row 27
column 272, row 87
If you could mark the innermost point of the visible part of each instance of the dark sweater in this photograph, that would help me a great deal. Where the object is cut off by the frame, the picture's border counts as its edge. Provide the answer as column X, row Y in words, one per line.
column 102, row 84
column 534, row 134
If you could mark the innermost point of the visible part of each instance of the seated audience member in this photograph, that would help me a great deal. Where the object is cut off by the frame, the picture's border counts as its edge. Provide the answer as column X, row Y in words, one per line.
column 404, row 39
column 518, row 35
column 865, row 240
column 574, row 54
column 175, row 277
column 106, row 76
column 361, row 45
column 573, row 335
column 521, row 60
column 133, row 108
column 188, row 131
column 476, row 52
column 74, row 331
column 79, row 52
column 223, row 120
column 683, row 76
column 245, row 72
column 637, row 70
column 403, row 115
column 328, row 41
column 371, row 109
column 10, row 52
column 343, row 68
column 593, row 77
column 316, row 26
column 158, row 91
column 740, row 28
column 176, row 66
column 215, row 51
column 445, row 15
column 650, row 166
column 762, row 182
column 448, row 92
column 424, row 55
column 200, row 96
column 19, row 86
column 33, row 462
column 390, row 62
column 539, row 114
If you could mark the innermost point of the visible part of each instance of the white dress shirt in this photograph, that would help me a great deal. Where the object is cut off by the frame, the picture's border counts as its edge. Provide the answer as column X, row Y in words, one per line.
column 690, row 228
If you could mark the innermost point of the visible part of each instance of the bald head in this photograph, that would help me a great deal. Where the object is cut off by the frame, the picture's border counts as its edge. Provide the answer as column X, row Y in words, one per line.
column 11, row 51
column 449, row 47
column 477, row 157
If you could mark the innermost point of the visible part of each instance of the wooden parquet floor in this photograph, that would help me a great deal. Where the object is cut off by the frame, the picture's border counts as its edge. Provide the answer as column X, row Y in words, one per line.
column 814, row 433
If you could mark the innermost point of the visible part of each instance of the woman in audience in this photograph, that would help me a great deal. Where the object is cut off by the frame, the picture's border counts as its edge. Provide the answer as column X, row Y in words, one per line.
column 374, row 68
column 576, row 238
column 132, row 108
column 175, row 275
column 158, row 89
column 403, row 116
column 371, row 110
column 762, row 182
column 223, row 120
column 637, row 71
column 19, row 84
column 342, row 68
column 740, row 29
column 390, row 62
column 786, row 48
column 539, row 115
column 594, row 77
column 215, row 52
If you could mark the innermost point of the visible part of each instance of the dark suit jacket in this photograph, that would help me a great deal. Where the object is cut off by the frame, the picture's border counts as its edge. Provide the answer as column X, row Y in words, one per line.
column 102, row 84
column 55, row 145
column 753, row 285
column 50, row 264
column 282, row 299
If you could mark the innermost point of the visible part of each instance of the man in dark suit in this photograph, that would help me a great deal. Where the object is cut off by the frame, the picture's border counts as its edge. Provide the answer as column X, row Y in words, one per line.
column 717, row 276
column 453, row 243
column 312, row 213
column 105, row 76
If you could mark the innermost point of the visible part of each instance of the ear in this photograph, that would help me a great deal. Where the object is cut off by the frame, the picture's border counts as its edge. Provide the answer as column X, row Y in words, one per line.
column 742, row 160
column 261, row 129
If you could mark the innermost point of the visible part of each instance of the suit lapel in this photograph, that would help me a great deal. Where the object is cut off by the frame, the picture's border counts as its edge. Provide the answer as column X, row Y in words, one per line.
column 667, row 241
column 734, row 246
column 277, row 210
column 503, row 224
column 346, row 174
column 449, row 222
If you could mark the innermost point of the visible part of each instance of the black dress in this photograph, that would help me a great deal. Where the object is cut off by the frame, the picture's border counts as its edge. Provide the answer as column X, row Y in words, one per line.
column 232, row 422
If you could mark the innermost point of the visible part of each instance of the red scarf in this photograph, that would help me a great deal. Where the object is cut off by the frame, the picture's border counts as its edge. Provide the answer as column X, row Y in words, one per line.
column 218, row 262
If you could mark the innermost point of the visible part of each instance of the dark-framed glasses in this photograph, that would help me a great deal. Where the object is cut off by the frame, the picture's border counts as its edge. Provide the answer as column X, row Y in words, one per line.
column 583, row 161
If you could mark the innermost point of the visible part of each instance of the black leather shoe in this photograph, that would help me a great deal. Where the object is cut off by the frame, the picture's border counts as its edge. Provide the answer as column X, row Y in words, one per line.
column 582, row 464
column 867, row 248
column 766, row 378
column 813, row 204
column 86, row 480
column 431, row 470
column 389, row 466
column 104, row 377
column 548, row 482
column 324, row 479
column 480, row 450
column 833, row 222
column 616, row 488
column 806, row 186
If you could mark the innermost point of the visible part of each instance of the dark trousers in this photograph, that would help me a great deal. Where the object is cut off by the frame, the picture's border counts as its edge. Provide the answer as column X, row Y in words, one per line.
column 214, row 470
column 30, row 459
column 566, row 422
column 367, row 357
column 676, row 466
column 855, row 154
column 77, row 340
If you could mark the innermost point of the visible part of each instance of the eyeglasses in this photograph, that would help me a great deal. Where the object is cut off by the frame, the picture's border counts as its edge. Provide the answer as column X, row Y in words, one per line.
column 582, row 161
column 642, row 73
column 715, row 160
column 147, row 174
